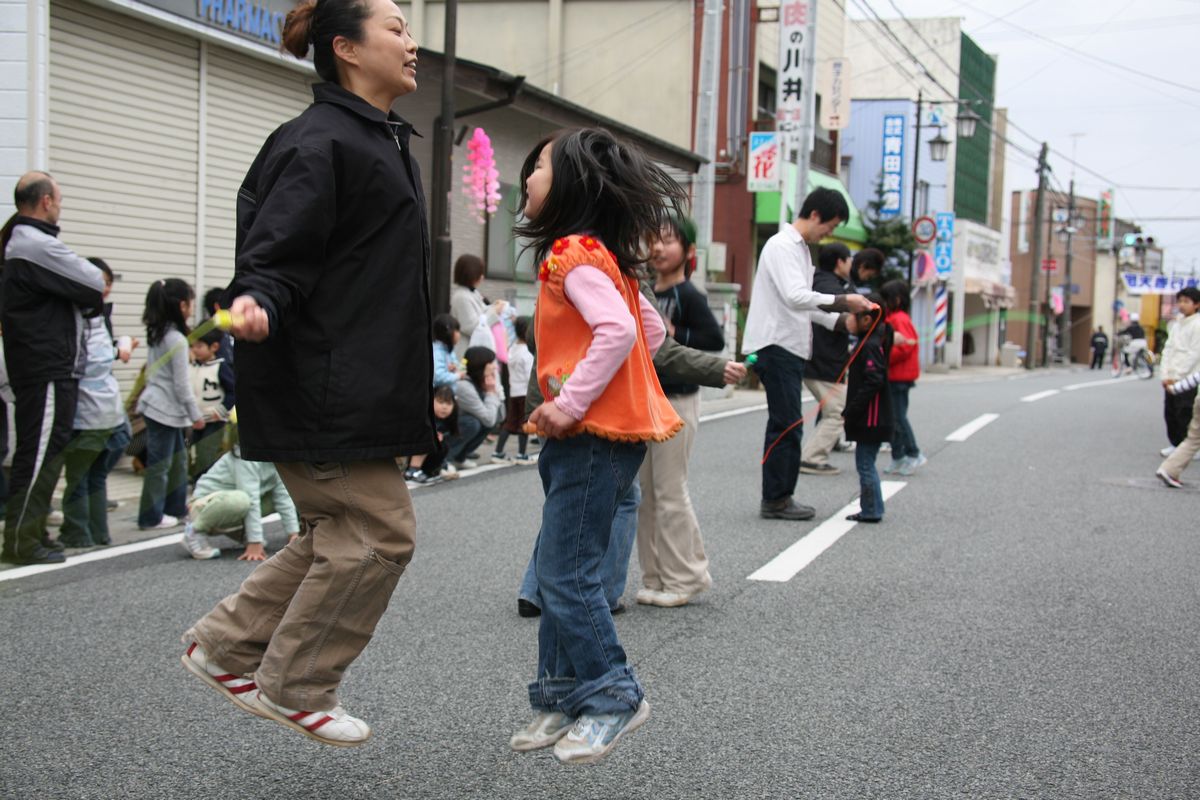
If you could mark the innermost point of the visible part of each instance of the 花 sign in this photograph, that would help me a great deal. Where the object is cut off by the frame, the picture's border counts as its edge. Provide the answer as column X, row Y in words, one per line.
column 765, row 162
column 893, row 166
column 943, row 249
column 796, row 41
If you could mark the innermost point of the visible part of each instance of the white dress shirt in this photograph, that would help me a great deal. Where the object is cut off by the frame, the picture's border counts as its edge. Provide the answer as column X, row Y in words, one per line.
column 783, row 305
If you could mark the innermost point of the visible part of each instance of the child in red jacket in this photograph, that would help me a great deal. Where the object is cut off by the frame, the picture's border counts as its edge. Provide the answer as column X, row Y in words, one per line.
column 903, row 371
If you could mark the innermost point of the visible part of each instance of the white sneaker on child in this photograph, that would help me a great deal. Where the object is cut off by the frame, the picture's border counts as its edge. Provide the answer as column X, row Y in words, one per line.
column 197, row 544
column 334, row 727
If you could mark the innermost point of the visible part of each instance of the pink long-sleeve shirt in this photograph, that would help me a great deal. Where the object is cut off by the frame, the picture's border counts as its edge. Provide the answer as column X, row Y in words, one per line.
column 614, row 333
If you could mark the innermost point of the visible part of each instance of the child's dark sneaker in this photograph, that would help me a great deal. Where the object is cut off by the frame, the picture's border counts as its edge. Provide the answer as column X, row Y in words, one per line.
column 546, row 728
column 234, row 688
column 334, row 727
column 593, row 736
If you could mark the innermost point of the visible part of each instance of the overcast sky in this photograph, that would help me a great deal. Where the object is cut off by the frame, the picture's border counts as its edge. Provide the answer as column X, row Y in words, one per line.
column 1137, row 130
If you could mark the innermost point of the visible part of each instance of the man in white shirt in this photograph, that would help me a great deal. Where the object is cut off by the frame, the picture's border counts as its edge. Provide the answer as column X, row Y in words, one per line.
column 783, row 307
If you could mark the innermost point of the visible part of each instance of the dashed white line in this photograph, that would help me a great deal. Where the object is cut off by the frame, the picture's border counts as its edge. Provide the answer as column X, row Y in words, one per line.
column 1094, row 384
column 784, row 566
column 737, row 412
column 1033, row 398
column 964, row 433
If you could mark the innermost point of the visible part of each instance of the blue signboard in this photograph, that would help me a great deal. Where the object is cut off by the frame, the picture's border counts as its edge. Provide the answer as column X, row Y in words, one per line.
column 893, row 166
column 943, row 248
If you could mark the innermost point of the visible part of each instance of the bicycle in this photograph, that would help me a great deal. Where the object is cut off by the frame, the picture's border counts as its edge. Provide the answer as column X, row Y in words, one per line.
column 1132, row 356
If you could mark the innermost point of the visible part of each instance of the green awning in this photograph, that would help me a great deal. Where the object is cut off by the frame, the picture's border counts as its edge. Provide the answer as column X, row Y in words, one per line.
column 766, row 204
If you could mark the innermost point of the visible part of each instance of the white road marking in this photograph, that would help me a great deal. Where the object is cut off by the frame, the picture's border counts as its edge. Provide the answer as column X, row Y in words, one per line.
column 95, row 555
column 784, row 566
column 964, row 433
column 1033, row 398
column 733, row 413
column 1093, row 384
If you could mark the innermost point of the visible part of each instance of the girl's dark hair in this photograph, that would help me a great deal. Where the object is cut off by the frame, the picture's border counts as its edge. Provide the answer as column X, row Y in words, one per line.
column 521, row 327
column 477, row 360
column 830, row 255
column 604, row 187
column 446, row 395
column 895, row 296
column 162, row 308
column 101, row 265
column 316, row 23
column 444, row 326
column 880, row 309
column 468, row 269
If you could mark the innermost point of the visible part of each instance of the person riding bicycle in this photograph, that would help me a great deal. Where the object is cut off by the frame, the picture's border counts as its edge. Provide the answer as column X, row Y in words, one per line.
column 1134, row 337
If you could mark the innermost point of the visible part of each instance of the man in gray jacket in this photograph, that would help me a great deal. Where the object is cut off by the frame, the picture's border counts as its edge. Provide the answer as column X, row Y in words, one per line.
column 45, row 292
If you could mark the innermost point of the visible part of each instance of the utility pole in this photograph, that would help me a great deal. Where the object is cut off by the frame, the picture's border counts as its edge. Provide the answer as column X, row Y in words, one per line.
column 443, row 141
column 916, row 146
column 1065, row 335
column 808, row 101
column 1039, row 210
column 703, row 193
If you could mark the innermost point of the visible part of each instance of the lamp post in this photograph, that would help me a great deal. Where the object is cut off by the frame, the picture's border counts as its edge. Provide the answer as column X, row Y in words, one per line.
column 939, row 148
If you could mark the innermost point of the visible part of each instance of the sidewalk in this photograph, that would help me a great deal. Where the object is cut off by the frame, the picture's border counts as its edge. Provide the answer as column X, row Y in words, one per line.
column 125, row 486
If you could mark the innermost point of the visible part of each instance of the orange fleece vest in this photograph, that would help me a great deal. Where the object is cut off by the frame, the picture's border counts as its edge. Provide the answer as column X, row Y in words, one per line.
column 632, row 408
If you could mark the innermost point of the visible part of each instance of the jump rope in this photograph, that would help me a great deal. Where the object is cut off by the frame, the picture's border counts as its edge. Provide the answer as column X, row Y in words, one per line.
column 752, row 359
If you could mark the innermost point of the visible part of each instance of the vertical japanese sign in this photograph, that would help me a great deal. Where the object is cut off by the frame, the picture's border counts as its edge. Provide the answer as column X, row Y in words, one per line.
column 1104, row 230
column 795, row 35
column 943, row 247
column 765, row 167
column 835, row 94
column 893, row 166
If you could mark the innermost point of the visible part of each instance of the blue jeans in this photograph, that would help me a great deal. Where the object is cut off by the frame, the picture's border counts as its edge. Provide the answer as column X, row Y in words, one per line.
column 90, row 456
column 871, row 494
column 471, row 434
column 904, row 443
column 782, row 376
column 582, row 667
column 615, row 569
column 165, row 485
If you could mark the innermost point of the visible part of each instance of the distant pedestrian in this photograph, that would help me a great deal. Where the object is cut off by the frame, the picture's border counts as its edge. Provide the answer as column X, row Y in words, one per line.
column 783, row 309
column 47, row 292
column 904, row 367
column 168, row 404
column 331, row 313
column 470, row 307
column 830, row 351
column 868, row 411
column 1099, row 347
column 520, row 367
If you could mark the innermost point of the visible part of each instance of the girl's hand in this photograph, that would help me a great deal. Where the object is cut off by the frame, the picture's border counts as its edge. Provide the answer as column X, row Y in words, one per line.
column 251, row 322
column 198, row 425
column 550, row 421
column 734, row 372
column 255, row 552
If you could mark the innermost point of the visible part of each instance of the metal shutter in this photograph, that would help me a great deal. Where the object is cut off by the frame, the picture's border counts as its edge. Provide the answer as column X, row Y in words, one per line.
column 124, row 108
column 245, row 100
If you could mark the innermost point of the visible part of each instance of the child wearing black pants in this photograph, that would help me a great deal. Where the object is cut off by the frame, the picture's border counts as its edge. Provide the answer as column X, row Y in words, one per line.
column 868, row 412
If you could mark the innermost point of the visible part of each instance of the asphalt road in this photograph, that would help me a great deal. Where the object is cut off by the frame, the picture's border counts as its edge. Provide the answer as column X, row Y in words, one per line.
column 1022, row 624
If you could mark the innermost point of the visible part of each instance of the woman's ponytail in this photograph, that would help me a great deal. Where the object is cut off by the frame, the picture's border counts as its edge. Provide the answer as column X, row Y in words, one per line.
column 297, row 29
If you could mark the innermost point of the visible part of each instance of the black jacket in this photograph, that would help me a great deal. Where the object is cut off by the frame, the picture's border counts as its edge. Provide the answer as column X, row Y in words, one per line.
column 830, row 349
column 687, row 309
column 45, row 292
column 868, row 411
column 332, row 241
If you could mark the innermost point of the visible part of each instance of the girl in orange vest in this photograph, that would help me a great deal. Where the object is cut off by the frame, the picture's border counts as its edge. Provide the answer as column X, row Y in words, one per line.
column 592, row 202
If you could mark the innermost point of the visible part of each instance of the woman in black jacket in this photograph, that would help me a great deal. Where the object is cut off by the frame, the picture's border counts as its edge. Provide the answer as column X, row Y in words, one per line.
column 332, row 277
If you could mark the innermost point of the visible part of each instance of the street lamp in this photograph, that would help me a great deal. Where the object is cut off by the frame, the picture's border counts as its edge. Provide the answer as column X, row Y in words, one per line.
column 939, row 147
column 967, row 119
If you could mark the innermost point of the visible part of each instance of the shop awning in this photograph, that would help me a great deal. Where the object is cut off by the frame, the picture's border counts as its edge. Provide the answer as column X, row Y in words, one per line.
column 766, row 204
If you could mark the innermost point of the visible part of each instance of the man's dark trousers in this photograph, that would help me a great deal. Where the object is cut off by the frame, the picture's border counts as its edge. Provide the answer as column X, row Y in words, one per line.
column 45, row 419
column 1177, row 411
column 782, row 375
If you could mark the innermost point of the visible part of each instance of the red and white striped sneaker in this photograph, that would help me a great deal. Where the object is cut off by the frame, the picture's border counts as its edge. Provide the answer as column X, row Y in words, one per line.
column 234, row 688
column 334, row 727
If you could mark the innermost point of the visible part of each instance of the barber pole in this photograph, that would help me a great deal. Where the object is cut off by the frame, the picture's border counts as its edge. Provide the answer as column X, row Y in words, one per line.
column 940, row 306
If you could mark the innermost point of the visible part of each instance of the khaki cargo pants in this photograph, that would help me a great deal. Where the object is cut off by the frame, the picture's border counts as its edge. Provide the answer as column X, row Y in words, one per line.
column 303, row 616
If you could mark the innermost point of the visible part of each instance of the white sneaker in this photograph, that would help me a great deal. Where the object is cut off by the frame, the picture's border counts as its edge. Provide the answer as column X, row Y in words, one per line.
column 1166, row 451
column 466, row 463
column 1169, row 479
column 166, row 522
column 334, row 727
column 546, row 728
column 501, row 458
column 647, row 597
column 197, row 544
column 593, row 736
column 671, row 599
column 234, row 688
